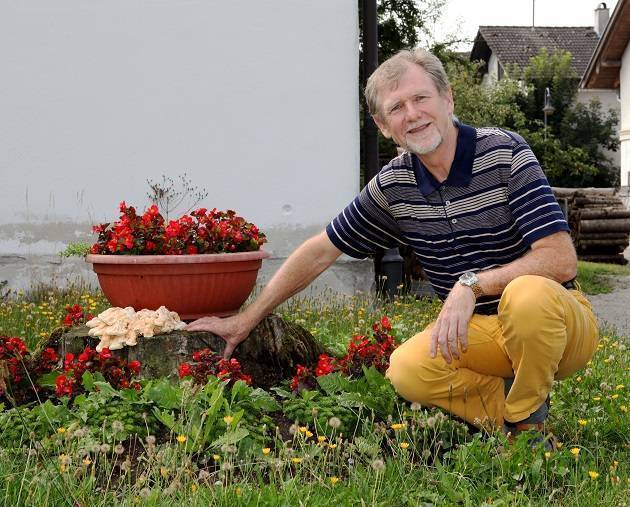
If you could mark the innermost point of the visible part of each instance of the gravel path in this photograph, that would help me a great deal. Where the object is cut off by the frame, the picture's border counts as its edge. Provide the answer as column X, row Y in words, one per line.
column 613, row 309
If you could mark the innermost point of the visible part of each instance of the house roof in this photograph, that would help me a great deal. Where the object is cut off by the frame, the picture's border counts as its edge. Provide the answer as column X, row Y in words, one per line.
column 604, row 67
column 517, row 44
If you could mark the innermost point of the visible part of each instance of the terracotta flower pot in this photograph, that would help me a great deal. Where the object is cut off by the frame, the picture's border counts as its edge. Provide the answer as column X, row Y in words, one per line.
column 192, row 285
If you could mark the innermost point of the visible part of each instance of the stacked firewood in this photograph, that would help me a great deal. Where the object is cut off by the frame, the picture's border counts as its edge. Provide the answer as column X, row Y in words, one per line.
column 599, row 221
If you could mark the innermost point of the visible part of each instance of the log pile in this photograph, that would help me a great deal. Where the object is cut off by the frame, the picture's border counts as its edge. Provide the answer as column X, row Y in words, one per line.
column 599, row 222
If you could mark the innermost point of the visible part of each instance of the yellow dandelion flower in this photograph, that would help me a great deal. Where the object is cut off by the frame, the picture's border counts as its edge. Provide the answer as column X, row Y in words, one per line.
column 308, row 434
column 619, row 386
column 547, row 455
column 332, row 446
column 87, row 461
column 228, row 419
column 62, row 467
column 296, row 460
column 559, row 445
column 597, row 398
column 193, row 488
column 303, row 429
column 575, row 451
column 593, row 474
column 61, row 430
column 578, row 379
column 181, row 438
column 397, row 426
column 216, row 457
column 615, row 396
column 163, row 471
column 623, row 408
column 238, row 491
column 321, row 438
column 266, row 450
column 404, row 445
column 582, row 422
column 334, row 479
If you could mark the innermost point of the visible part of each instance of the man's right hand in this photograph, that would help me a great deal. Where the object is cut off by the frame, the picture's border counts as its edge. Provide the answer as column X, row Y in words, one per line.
column 232, row 329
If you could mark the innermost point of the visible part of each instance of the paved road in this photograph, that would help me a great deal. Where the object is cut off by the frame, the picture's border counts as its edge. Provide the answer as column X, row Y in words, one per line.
column 614, row 309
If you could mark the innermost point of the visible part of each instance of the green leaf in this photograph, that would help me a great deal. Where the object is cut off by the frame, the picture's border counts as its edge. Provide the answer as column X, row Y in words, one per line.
column 88, row 381
column 164, row 394
column 260, row 399
column 308, row 395
column 48, row 379
column 283, row 393
column 335, row 383
column 230, row 438
column 106, row 389
column 240, row 390
column 166, row 418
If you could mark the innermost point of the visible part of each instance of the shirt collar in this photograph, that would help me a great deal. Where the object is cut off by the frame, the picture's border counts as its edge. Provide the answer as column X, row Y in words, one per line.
column 461, row 169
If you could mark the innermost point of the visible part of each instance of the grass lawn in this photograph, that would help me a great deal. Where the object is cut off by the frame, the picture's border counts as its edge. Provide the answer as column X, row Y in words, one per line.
column 387, row 452
column 596, row 278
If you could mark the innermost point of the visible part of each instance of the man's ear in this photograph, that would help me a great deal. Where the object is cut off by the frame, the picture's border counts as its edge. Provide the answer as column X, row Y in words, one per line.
column 382, row 126
column 451, row 102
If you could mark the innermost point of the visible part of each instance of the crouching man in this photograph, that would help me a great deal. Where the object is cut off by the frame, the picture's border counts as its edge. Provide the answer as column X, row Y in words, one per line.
column 476, row 208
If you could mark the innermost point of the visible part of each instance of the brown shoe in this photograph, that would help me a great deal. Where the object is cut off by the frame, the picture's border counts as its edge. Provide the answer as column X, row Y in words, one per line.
column 537, row 432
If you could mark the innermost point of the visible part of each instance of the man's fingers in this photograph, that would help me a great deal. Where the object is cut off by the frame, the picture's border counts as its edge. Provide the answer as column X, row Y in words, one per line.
column 452, row 339
column 434, row 338
column 463, row 335
column 229, row 348
column 203, row 324
column 196, row 325
column 443, row 341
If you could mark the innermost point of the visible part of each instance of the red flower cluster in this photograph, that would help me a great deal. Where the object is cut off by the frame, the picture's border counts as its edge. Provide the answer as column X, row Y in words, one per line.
column 13, row 351
column 201, row 231
column 118, row 372
column 21, row 367
column 362, row 351
column 208, row 363
column 75, row 316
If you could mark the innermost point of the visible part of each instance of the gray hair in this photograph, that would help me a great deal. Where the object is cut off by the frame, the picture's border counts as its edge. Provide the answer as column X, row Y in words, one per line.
column 389, row 72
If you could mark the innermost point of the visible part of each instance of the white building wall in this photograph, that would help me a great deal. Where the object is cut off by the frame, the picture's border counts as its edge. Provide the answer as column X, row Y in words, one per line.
column 491, row 77
column 255, row 101
column 609, row 100
column 624, row 132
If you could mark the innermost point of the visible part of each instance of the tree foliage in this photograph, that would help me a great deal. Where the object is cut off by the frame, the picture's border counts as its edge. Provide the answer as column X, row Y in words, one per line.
column 570, row 149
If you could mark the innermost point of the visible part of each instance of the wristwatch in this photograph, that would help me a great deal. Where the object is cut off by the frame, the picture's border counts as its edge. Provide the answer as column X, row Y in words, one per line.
column 470, row 279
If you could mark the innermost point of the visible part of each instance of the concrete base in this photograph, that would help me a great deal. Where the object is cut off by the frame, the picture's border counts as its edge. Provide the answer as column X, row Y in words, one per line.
column 347, row 276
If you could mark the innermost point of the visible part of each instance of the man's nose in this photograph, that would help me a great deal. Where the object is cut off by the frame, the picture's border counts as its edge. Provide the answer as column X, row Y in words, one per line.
column 412, row 111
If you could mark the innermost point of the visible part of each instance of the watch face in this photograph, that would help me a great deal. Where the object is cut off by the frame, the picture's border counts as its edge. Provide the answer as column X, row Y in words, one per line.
column 468, row 278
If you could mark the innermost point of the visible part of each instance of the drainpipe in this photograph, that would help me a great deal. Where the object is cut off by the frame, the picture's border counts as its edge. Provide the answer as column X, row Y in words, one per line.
column 389, row 275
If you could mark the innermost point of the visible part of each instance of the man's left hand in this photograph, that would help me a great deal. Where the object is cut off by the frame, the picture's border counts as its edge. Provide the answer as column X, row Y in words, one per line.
column 451, row 326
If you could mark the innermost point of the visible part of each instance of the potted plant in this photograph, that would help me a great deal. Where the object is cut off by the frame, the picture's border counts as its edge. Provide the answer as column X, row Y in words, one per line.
column 203, row 263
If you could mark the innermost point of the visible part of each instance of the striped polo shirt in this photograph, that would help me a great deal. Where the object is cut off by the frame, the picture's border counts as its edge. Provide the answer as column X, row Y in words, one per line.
column 494, row 204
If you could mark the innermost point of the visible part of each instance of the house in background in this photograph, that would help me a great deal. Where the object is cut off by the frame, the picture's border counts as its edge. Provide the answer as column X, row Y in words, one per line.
column 500, row 47
column 609, row 67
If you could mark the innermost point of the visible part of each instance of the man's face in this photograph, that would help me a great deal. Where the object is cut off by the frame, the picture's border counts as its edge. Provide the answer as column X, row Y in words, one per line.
column 414, row 114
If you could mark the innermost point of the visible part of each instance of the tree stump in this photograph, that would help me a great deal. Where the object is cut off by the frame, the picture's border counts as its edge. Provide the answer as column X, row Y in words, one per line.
column 270, row 354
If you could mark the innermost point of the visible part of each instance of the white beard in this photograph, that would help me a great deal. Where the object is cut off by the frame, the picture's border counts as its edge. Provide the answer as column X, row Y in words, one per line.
column 426, row 147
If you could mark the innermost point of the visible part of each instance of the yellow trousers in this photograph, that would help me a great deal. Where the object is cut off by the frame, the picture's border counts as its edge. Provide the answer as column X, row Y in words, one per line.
column 542, row 332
